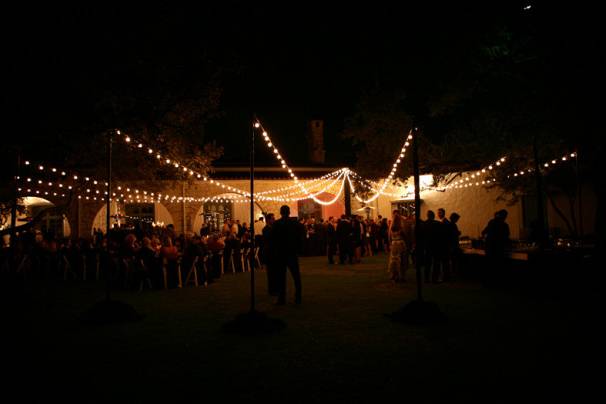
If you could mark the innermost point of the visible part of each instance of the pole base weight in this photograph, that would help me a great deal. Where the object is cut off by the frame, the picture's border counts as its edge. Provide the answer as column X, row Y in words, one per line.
column 110, row 312
column 419, row 313
column 253, row 323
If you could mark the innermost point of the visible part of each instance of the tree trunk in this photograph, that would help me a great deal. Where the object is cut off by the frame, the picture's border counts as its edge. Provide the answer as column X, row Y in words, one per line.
column 560, row 213
column 573, row 216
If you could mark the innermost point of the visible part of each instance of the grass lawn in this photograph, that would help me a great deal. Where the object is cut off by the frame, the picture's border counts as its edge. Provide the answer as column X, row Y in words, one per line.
column 338, row 346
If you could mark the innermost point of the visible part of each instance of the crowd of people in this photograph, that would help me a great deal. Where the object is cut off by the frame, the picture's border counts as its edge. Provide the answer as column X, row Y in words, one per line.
column 138, row 256
column 437, row 250
column 157, row 257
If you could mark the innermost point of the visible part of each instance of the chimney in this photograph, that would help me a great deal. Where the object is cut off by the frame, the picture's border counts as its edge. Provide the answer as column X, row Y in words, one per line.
column 315, row 140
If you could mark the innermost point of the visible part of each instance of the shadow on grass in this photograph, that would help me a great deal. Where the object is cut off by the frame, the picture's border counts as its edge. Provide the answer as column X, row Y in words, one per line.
column 110, row 312
column 253, row 323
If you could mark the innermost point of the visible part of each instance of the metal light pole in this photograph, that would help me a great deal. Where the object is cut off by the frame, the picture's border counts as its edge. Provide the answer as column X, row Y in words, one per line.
column 415, row 171
column 252, row 216
column 253, row 322
column 109, row 311
column 418, row 311
column 347, row 200
column 579, row 196
column 107, row 213
column 539, row 190
column 13, row 238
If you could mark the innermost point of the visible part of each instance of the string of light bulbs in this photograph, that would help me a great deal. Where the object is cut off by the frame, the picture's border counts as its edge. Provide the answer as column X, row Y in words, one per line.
column 390, row 177
column 372, row 184
column 257, row 125
column 177, row 165
column 91, row 189
column 312, row 182
column 150, row 151
column 471, row 180
column 468, row 181
column 138, row 194
column 283, row 164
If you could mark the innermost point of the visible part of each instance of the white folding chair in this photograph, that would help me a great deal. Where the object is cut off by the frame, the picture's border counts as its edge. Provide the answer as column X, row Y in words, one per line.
column 192, row 274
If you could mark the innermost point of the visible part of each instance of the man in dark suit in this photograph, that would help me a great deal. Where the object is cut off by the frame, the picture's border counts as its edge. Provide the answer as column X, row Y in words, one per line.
column 344, row 230
column 268, row 255
column 287, row 236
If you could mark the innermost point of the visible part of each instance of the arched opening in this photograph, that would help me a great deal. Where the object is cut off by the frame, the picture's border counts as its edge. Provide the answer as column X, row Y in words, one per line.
column 308, row 208
column 132, row 214
column 49, row 222
column 215, row 213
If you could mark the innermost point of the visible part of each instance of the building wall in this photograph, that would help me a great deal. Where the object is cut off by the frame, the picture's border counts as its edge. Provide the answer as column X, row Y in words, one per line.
column 315, row 139
column 184, row 216
column 475, row 205
column 585, row 210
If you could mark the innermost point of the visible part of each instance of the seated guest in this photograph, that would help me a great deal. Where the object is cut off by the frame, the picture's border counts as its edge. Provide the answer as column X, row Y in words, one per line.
column 152, row 264
column 170, row 254
column 215, row 245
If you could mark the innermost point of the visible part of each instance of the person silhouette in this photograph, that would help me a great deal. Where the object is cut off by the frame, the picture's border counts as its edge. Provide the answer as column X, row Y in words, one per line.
column 287, row 236
column 497, row 241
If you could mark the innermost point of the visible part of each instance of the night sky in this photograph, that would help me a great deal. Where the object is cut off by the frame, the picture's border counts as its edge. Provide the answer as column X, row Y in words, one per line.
column 287, row 64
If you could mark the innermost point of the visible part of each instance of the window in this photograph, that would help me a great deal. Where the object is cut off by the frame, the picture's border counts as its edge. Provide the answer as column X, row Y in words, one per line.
column 216, row 213
column 309, row 209
column 139, row 212
column 407, row 208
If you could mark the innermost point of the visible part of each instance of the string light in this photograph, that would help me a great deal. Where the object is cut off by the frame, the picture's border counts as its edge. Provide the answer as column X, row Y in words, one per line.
column 272, row 146
column 300, row 190
column 390, row 177
column 462, row 182
column 177, row 164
